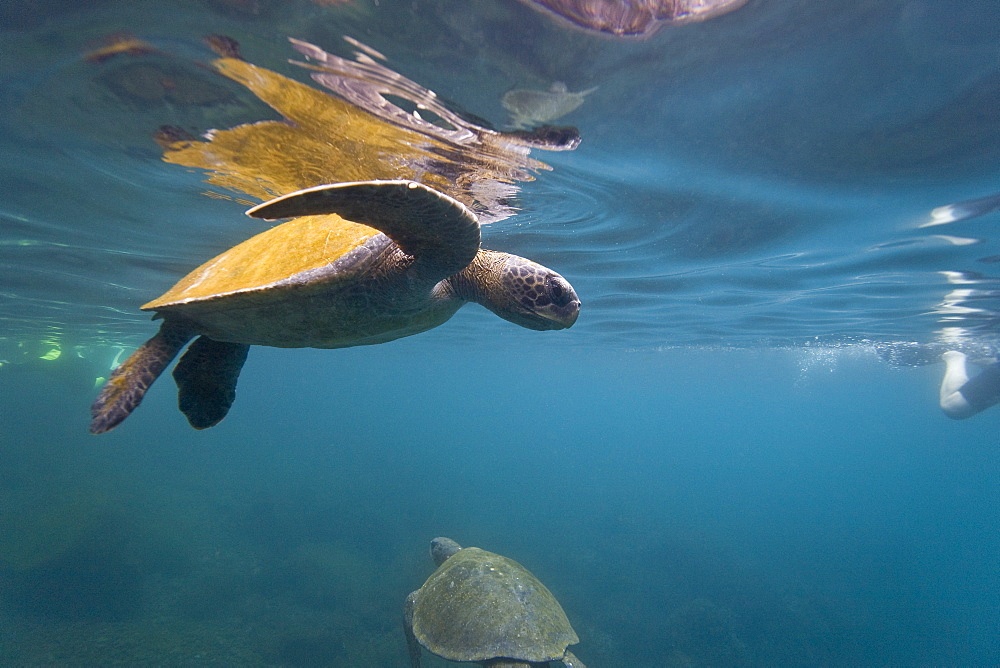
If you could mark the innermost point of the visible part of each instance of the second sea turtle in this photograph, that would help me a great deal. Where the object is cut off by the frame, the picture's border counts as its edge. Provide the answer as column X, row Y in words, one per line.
column 483, row 607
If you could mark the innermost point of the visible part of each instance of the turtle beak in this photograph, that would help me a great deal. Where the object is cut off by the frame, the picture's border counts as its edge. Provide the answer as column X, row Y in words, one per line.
column 572, row 313
column 564, row 305
column 558, row 317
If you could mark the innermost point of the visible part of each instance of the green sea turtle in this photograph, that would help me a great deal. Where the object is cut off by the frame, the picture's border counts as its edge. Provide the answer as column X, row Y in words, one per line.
column 406, row 263
column 480, row 606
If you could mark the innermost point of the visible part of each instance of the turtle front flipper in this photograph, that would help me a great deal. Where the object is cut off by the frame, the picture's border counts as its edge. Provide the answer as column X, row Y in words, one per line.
column 412, row 645
column 206, row 380
column 127, row 385
column 440, row 232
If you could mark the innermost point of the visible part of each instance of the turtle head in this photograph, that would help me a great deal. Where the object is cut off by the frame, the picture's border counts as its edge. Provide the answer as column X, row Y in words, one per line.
column 519, row 290
column 442, row 548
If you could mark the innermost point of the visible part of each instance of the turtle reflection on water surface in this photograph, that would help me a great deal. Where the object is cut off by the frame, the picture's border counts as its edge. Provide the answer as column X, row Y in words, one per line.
column 483, row 607
column 408, row 261
column 629, row 18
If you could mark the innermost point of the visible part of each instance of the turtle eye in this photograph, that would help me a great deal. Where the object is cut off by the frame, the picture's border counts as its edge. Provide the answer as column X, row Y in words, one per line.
column 557, row 293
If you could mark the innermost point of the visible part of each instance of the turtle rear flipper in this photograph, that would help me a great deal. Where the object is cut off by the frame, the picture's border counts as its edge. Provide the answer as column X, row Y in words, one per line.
column 127, row 385
column 206, row 380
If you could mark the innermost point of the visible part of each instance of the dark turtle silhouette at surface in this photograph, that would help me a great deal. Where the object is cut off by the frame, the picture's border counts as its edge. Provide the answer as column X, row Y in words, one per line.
column 628, row 18
column 482, row 607
column 397, row 259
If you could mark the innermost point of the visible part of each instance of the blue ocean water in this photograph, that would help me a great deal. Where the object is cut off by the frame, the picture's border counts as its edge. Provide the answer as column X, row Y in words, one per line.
column 776, row 221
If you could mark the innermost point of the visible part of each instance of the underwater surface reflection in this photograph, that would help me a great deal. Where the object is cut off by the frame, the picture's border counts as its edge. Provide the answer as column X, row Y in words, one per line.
column 724, row 190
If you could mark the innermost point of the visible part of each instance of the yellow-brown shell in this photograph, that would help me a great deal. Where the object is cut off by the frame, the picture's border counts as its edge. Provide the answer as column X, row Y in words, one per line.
column 480, row 606
column 259, row 263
